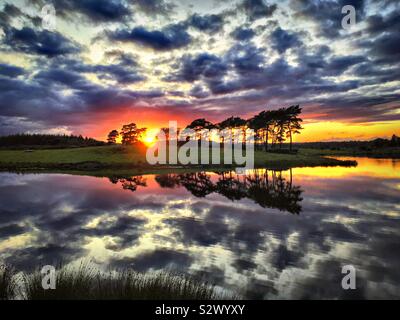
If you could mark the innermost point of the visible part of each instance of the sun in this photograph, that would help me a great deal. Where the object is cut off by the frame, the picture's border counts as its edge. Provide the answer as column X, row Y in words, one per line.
column 150, row 137
column 149, row 140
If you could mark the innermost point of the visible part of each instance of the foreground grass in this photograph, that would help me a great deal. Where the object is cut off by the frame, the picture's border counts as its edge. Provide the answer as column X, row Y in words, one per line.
column 7, row 282
column 86, row 282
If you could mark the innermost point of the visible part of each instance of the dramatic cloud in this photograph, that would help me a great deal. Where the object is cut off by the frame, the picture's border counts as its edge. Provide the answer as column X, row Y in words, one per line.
column 46, row 43
column 283, row 40
column 256, row 9
column 10, row 71
column 326, row 14
column 95, row 10
column 210, row 23
column 171, row 37
column 204, row 64
column 179, row 60
column 242, row 34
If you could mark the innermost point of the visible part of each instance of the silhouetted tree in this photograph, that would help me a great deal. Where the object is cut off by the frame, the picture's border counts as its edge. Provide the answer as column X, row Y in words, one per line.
column 233, row 123
column 261, row 124
column 200, row 124
column 292, row 122
column 395, row 141
column 112, row 137
column 131, row 134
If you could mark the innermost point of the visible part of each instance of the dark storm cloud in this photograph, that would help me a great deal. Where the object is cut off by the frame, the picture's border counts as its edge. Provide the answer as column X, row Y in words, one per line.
column 327, row 14
column 246, row 58
column 210, row 23
column 10, row 71
column 95, row 10
column 385, row 49
column 192, row 68
column 32, row 99
column 337, row 65
column 243, row 34
column 118, row 72
column 61, row 76
column 44, row 42
column 124, row 70
column 123, row 58
column 20, row 98
column 171, row 37
column 378, row 24
column 283, row 40
column 199, row 92
column 383, row 38
column 11, row 230
column 322, row 62
column 279, row 80
column 257, row 9
column 376, row 74
column 360, row 108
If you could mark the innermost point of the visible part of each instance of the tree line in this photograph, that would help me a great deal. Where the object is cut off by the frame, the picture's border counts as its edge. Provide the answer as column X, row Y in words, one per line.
column 47, row 140
column 270, row 126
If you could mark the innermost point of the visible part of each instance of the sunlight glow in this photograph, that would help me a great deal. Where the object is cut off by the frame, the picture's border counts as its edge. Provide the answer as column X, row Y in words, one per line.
column 150, row 136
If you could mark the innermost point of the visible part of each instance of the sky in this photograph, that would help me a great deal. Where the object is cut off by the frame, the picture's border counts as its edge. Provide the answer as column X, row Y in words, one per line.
column 111, row 62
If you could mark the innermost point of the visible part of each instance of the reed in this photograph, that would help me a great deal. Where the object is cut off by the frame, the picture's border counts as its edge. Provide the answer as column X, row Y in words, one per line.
column 8, row 284
column 86, row 282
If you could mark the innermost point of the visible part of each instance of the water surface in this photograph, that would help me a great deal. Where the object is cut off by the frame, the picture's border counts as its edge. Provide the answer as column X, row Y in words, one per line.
column 266, row 234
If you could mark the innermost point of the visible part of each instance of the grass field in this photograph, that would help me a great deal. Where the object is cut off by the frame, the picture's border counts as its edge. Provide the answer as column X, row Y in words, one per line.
column 133, row 160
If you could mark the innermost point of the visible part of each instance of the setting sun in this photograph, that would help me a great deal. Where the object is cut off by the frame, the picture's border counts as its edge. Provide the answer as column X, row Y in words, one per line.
column 150, row 136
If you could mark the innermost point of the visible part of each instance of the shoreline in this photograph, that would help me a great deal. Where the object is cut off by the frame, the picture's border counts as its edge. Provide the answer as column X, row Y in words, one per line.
column 109, row 169
column 120, row 160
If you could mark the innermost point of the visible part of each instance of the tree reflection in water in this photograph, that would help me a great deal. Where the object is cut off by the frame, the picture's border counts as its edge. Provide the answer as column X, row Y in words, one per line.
column 130, row 183
column 268, row 188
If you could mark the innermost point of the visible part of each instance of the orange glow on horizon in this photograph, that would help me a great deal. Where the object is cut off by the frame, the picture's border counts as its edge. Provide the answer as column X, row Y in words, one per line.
column 341, row 131
column 154, row 119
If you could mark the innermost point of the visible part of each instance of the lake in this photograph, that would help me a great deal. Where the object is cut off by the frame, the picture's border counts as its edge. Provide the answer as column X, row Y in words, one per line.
column 263, row 235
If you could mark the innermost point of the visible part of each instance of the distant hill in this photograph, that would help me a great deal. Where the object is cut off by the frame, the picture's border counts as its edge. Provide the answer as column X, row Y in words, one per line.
column 43, row 141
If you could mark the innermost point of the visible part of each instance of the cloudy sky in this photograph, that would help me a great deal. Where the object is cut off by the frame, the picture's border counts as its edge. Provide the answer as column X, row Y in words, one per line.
column 110, row 62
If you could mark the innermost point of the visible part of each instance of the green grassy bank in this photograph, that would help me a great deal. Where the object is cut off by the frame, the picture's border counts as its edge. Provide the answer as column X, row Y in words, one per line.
column 130, row 160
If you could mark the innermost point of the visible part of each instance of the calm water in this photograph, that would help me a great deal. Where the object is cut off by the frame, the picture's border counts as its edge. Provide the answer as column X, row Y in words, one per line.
column 264, row 235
